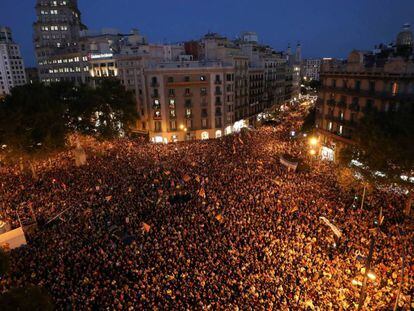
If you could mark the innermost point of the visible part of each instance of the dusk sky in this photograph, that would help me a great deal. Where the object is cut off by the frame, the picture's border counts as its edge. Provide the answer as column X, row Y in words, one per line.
column 326, row 28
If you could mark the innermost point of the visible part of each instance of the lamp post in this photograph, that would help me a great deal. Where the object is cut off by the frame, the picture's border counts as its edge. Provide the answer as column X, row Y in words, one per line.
column 397, row 299
column 363, row 294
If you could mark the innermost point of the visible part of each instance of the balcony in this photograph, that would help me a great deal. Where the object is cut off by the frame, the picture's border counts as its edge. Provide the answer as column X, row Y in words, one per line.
column 331, row 102
column 218, row 82
column 342, row 104
column 218, row 93
column 153, row 95
column 354, row 107
column 218, row 114
column 186, row 94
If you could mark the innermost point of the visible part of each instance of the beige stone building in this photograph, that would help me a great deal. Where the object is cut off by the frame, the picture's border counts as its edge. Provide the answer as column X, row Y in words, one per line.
column 382, row 79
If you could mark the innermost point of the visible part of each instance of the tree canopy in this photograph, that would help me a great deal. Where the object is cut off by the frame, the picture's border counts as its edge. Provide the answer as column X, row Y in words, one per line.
column 38, row 118
column 384, row 145
column 26, row 299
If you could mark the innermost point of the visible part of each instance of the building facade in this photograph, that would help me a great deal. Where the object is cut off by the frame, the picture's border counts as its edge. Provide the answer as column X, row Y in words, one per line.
column 11, row 63
column 382, row 79
column 310, row 69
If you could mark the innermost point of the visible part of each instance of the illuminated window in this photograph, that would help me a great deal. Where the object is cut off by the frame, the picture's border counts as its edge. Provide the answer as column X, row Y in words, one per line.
column 394, row 88
column 188, row 112
column 172, row 103
column 330, row 126
column 204, row 135
column 341, row 128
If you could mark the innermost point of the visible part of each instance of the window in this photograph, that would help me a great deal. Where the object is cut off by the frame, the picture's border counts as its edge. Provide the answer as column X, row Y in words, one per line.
column 173, row 125
column 188, row 103
column 330, row 126
column 203, row 91
column 157, row 126
column 187, row 91
column 170, row 79
column 218, row 122
column 171, row 92
column 394, row 88
column 341, row 129
column 157, row 103
column 357, row 85
column 228, row 77
column 333, row 83
column 204, row 135
column 186, row 79
column 189, row 123
column 368, row 104
column 372, row 86
column 204, row 123
column 188, row 112
column 172, row 103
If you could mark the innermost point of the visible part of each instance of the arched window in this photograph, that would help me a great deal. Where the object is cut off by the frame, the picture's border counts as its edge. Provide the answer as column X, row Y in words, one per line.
column 204, row 135
column 218, row 134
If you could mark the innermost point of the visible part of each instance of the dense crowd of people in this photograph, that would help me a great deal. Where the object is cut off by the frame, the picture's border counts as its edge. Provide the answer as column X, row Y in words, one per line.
column 217, row 224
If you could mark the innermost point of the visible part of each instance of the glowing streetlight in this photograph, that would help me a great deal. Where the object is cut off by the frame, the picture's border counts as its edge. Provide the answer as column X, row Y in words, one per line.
column 371, row 275
column 312, row 152
column 313, row 141
column 356, row 283
column 181, row 127
column 185, row 130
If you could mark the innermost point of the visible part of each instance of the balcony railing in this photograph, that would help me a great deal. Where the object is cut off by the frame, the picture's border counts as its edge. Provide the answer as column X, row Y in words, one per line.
column 342, row 104
column 188, row 94
column 218, row 92
column 331, row 102
column 218, row 82
column 354, row 107
column 155, row 84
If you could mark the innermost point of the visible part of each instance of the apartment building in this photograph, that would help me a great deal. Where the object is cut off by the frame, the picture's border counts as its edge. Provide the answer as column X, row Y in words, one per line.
column 381, row 79
column 310, row 69
column 11, row 63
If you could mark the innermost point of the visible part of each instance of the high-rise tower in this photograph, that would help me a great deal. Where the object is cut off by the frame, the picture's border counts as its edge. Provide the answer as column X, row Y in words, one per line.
column 11, row 62
column 56, row 32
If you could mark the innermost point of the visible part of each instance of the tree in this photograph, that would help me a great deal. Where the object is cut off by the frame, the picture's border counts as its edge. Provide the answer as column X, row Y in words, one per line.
column 105, row 112
column 26, row 299
column 36, row 119
column 309, row 121
column 384, row 146
column 4, row 262
column 31, row 120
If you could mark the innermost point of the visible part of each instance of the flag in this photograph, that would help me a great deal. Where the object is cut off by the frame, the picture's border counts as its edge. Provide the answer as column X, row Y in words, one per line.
column 219, row 217
column 202, row 193
column 108, row 198
column 294, row 209
column 186, row 178
column 146, row 227
column 335, row 230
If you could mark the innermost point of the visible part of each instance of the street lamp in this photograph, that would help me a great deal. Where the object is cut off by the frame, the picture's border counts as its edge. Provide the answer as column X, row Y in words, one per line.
column 313, row 141
column 312, row 152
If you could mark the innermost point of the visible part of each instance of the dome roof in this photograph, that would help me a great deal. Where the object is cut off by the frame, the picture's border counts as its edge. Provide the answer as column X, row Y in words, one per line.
column 405, row 37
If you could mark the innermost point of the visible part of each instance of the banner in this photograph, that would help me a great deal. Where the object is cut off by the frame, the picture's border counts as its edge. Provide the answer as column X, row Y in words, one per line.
column 12, row 239
column 335, row 229
column 289, row 164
